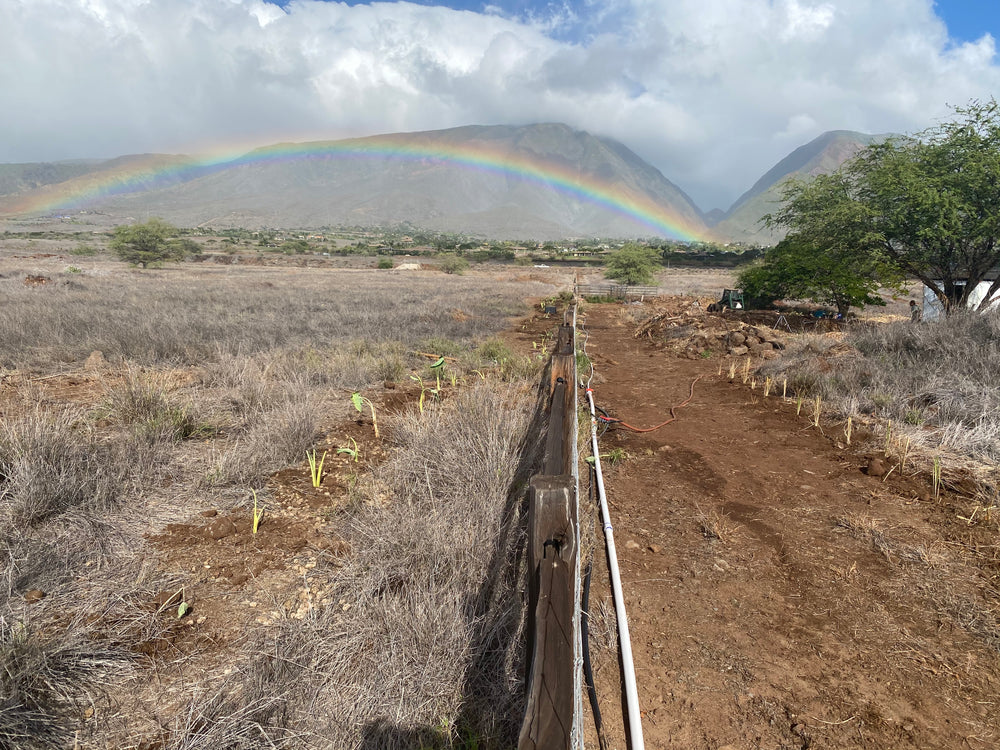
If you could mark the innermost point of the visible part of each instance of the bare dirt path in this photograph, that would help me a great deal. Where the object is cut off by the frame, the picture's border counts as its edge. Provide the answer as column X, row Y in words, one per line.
column 779, row 596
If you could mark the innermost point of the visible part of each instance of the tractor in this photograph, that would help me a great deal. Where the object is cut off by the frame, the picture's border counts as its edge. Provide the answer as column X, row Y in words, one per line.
column 732, row 299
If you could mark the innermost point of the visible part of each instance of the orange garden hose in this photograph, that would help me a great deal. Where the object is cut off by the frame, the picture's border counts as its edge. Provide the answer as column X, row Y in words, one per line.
column 673, row 414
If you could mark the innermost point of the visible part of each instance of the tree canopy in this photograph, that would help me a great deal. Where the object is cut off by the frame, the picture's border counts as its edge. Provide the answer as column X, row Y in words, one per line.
column 632, row 264
column 143, row 244
column 829, row 257
column 926, row 206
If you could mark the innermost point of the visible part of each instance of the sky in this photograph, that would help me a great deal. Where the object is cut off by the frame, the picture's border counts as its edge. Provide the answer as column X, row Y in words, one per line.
column 711, row 92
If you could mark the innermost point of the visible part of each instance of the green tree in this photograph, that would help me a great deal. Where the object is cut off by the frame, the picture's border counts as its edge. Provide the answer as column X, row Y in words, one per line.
column 935, row 201
column 632, row 264
column 143, row 244
column 928, row 205
column 831, row 256
column 454, row 264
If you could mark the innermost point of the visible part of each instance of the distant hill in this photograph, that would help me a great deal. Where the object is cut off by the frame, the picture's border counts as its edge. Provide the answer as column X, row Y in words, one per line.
column 822, row 155
column 389, row 185
column 20, row 178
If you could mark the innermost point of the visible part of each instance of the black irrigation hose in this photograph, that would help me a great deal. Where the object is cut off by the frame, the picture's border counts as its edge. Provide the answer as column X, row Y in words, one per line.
column 588, row 671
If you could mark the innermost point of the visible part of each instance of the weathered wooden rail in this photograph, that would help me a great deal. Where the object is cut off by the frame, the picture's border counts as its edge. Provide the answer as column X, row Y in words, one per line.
column 617, row 291
column 553, row 714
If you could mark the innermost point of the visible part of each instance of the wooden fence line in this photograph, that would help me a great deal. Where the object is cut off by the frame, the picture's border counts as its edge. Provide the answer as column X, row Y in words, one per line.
column 552, row 716
column 617, row 291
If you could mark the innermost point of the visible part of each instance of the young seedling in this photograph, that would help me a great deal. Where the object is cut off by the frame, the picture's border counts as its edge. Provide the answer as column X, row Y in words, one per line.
column 817, row 410
column 352, row 452
column 315, row 467
column 257, row 514
column 784, row 388
column 798, row 405
column 732, row 370
column 438, row 368
column 888, row 436
column 849, row 429
column 904, row 453
column 767, row 385
column 359, row 401
column 936, row 478
column 746, row 371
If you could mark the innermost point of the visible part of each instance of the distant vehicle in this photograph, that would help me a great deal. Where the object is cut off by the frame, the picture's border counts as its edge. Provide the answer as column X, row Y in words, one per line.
column 732, row 299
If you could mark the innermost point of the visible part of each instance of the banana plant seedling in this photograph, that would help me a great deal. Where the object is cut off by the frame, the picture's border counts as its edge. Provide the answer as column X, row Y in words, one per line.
column 315, row 467
column 352, row 452
column 438, row 368
column 359, row 401
column 257, row 514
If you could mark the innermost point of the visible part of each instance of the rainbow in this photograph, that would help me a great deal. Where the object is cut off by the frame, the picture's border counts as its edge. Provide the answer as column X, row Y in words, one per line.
column 150, row 172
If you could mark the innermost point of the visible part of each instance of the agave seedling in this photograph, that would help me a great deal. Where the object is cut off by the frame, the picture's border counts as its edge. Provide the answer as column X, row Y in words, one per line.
column 315, row 467
column 359, row 401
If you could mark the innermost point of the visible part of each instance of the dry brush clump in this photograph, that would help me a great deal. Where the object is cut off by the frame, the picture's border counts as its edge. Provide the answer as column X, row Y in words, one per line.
column 424, row 642
column 159, row 317
column 49, row 681
column 942, row 377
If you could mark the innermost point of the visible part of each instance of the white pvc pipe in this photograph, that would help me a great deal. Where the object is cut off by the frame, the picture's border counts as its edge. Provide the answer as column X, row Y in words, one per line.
column 625, row 641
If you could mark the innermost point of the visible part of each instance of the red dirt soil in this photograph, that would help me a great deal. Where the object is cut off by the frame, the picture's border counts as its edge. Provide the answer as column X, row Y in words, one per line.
column 778, row 596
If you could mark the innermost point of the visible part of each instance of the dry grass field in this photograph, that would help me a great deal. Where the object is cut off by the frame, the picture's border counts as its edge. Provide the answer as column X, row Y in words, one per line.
column 175, row 576
column 142, row 414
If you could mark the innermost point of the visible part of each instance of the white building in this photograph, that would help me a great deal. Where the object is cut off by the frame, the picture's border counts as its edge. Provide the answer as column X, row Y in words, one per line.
column 933, row 309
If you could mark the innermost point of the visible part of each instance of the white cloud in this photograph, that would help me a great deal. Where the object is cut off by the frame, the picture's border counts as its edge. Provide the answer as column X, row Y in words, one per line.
column 713, row 92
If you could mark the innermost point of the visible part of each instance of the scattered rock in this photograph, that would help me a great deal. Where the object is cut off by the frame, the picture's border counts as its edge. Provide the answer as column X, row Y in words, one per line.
column 736, row 339
column 221, row 528
column 655, row 549
column 632, row 544
column 876, row 467
column 36, row 280
column 33, row 595
column 211, row 513
column 738, row 351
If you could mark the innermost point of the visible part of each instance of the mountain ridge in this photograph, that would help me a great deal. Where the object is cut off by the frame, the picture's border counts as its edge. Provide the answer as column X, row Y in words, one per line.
column 362, row 181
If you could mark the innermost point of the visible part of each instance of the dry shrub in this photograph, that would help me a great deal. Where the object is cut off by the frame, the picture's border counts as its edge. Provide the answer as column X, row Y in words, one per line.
column 52, row 463
column 46, row 682
column 943, row 375
column 273, row 440
column 140, row 401
column 425, row 642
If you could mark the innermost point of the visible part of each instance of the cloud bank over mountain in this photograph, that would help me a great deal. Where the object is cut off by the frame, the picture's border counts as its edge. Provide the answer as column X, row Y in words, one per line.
column 711, row 92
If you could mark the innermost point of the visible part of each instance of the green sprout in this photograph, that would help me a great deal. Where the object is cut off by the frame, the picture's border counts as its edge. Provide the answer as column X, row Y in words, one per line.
column 316, row 467
column 438, row 367
column 257, row 514
column 359, row 401
column 352, row 452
